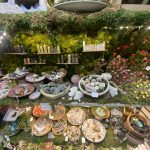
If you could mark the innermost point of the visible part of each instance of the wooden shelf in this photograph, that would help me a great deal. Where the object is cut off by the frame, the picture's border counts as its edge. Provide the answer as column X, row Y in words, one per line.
column 15, row 53
column 48, row 53
column 93, row 51
column 35, row 64
column 67, row 63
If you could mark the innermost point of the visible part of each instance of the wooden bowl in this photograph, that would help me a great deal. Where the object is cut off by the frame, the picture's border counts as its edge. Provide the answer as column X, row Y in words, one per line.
column 135, row 132
column 30, row 87
column 76, row 116
column 97, row 116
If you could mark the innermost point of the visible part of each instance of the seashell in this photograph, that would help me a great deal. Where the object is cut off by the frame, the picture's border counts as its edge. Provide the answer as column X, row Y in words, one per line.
column 106, row 76
column 51, row 136
column 93, row 80
column 97, row 83
column 102, row 85
column 74, row 89
column 92, row 84
column 70, row 98
column 75, row 79
column 71, row 94
column 90, row 78
column 78, row 95
column 113, row 91
column 99, row 78
column 96, row 88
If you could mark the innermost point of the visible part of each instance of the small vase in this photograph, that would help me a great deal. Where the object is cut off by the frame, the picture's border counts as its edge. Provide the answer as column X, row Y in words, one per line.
column 41, row 49
column 38, row 49
column 58, row 50
column 49, row 49
column 45, row 48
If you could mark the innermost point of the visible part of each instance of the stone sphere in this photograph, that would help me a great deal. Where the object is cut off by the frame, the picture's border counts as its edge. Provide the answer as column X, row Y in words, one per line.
column 75, row 79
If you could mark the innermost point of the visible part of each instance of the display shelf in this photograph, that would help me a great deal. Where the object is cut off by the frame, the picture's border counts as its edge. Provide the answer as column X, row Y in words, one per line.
column 48, row 53
column 67, row 63
column 94, row 51
column 34, row 63
column 34, row 54
column 16, row 53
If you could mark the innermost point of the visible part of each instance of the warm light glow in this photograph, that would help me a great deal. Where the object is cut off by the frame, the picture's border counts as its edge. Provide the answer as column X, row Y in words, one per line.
column 121, row 27
column 127, row 27
column 4, row 34
column 1, row 37
column 148, row 28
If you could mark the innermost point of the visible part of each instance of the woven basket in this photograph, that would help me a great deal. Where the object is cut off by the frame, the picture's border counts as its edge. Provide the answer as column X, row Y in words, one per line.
column 54, row 116
column 53, row 96
column 135, row 132
column 62, row 132
column 43, row 132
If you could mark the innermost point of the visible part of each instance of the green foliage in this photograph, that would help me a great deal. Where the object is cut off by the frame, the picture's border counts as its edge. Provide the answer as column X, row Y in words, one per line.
column 98, row 39
column 62, row 21
column 69, row 43
column 30, row 40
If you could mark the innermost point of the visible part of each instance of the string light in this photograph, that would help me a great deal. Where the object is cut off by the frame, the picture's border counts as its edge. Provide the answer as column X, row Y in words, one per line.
column 148, row 28
column 127, row 27
column 121, row 27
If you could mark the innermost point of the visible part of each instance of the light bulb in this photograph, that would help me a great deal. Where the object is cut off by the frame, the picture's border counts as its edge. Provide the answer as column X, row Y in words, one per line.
column 1, row 37
column 148, row 28
column 127, row 27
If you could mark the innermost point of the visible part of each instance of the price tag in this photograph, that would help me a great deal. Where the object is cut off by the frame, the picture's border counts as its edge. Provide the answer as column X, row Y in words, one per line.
column 45, row 106
column 94, row 94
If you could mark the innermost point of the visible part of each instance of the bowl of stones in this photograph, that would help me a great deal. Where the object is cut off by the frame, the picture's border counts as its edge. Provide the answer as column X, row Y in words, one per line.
column 94, row 85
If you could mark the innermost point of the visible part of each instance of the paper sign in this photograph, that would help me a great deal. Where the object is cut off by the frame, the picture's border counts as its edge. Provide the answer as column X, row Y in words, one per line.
column 45, row 106
column 94, row 94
